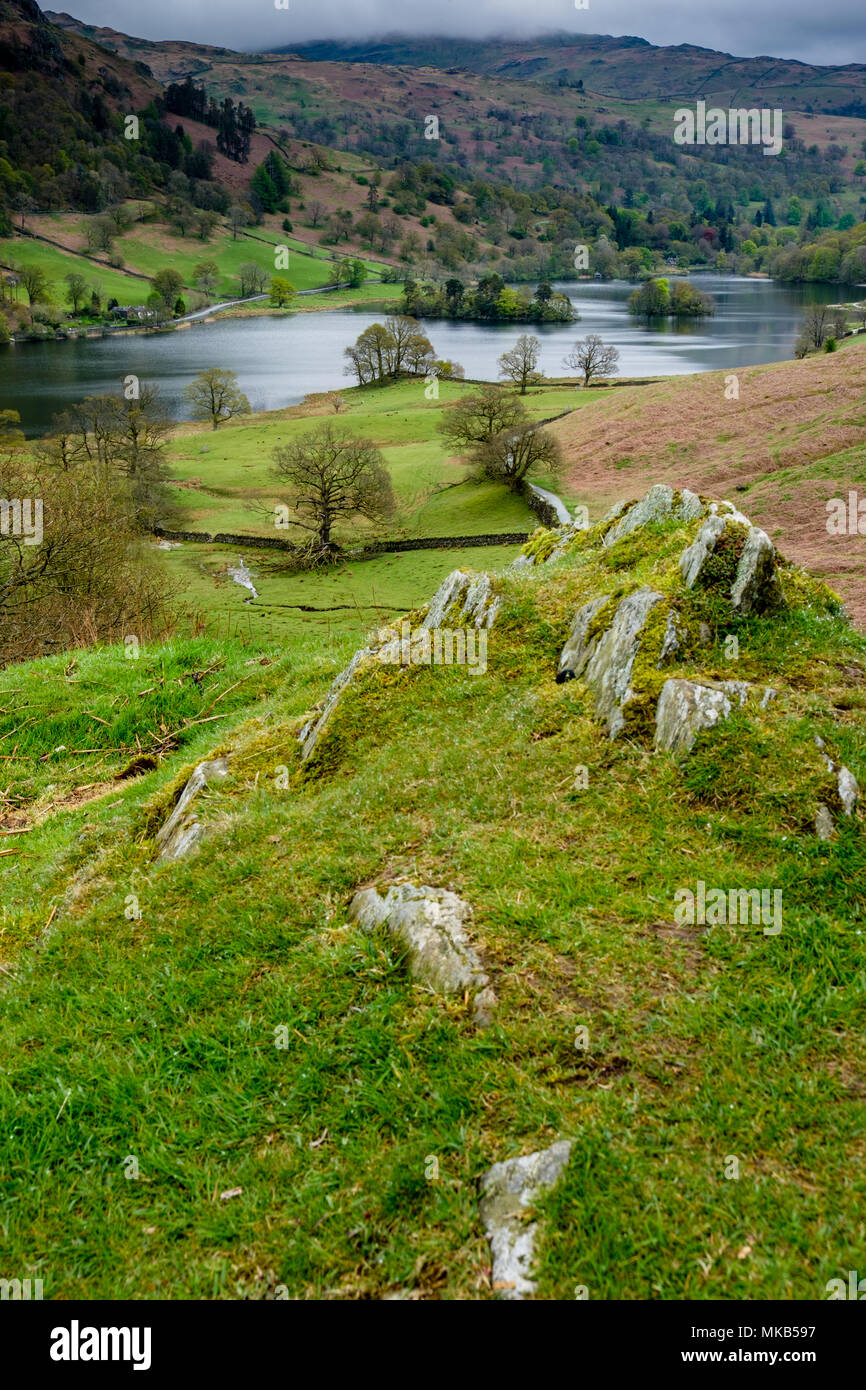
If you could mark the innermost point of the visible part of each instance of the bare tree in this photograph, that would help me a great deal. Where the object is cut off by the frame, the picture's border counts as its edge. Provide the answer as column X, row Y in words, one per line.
column 316, row 211
column 593, row 358
column 331, row 476
column 520, row 363
column 253, row 279
column 476, row 419
column 816, row 325
column 240, row 215
column 512, row 454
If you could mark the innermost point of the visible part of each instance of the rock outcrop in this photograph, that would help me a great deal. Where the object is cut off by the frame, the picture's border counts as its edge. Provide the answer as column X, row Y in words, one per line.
column 685, row 707
column 661, row 503
column 508, row 1191
column 754, row 584
column 429, row 923
column 462, row 600
column 603, row 656
column 847, row 791
column 183, row 831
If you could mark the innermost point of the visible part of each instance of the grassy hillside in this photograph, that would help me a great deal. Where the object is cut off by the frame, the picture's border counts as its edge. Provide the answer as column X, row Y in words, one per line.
column 235, row 1092
column 224, row 483
column 790, row 443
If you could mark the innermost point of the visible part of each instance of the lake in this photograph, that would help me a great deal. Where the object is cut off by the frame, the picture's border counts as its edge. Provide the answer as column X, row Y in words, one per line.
column 278, row 361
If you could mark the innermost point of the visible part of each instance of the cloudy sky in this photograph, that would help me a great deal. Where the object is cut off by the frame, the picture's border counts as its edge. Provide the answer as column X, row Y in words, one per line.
column 830, row 32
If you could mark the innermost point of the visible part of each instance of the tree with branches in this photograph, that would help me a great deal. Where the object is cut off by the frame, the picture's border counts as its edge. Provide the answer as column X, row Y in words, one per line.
column 332, row 475
column 476, row 419
column 215, row 395
column 519, row 365
column 510, row 456
column 592, row 358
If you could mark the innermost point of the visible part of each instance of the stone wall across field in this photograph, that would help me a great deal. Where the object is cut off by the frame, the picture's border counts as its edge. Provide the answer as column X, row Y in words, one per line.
column 377, row 548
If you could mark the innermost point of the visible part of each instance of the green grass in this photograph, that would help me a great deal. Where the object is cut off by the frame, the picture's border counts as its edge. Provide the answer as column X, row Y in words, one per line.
column 148, row 249
column 111, row 284
column 154, row 1038
column 350, row 599
column 233, row 487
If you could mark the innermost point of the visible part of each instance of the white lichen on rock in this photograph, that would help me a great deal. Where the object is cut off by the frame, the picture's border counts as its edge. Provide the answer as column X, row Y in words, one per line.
column 659, row 504
column 604, row 659
column 430, row 924
column 508, row 1191
column 685, row 707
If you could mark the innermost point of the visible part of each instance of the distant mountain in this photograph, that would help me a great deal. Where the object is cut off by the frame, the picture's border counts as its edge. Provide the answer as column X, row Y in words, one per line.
column 625, row 67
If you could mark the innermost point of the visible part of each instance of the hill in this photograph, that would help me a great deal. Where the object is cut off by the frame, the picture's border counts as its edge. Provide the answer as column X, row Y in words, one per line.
column 518, row 151
column 63, row 101
column 235, row 1090
column 790, row 441
column 625, row 67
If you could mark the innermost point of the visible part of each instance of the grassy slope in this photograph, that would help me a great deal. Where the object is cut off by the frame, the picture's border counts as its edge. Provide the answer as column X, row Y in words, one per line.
column 154, row 1038
column 149, row 249
column 228, row 487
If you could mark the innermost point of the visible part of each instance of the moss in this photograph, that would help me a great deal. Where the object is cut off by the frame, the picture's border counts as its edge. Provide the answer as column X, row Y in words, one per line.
column 604, row 617
column 801, row 590
column 365, row 710
column 541, row 544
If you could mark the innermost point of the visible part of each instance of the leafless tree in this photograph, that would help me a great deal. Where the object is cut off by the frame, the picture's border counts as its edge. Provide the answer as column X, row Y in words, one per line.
column 513, row 454
column 519, row 365
column 331, row 476
column 593, row 358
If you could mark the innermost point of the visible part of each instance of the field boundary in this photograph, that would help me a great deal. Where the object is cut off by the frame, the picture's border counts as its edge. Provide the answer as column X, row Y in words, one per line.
column 375, row 548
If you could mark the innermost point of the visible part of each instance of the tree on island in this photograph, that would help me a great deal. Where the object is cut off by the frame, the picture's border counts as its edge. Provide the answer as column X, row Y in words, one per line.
column 332, row 475
column 215, row 395
column 656, row 299
column 386, row 351
column 592, row 358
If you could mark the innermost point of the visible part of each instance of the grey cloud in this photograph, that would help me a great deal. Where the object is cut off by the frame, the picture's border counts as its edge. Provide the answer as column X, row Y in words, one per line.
column 829, row 33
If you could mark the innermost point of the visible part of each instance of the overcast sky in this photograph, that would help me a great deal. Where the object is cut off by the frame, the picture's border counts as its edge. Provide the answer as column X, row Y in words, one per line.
column 830, row 32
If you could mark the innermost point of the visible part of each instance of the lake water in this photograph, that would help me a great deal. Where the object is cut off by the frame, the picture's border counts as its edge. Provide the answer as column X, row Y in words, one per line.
column 278, row 361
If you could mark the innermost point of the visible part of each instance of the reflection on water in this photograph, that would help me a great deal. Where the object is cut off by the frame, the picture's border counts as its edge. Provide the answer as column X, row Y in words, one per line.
column 278, row 361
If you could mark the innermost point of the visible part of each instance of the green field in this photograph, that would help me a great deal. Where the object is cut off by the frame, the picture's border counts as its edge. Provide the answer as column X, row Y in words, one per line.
column 229, row 485
column 111, row 284
column 146, row 249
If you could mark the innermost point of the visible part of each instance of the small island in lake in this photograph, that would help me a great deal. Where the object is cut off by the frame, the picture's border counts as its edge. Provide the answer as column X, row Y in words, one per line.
column 657, row 299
